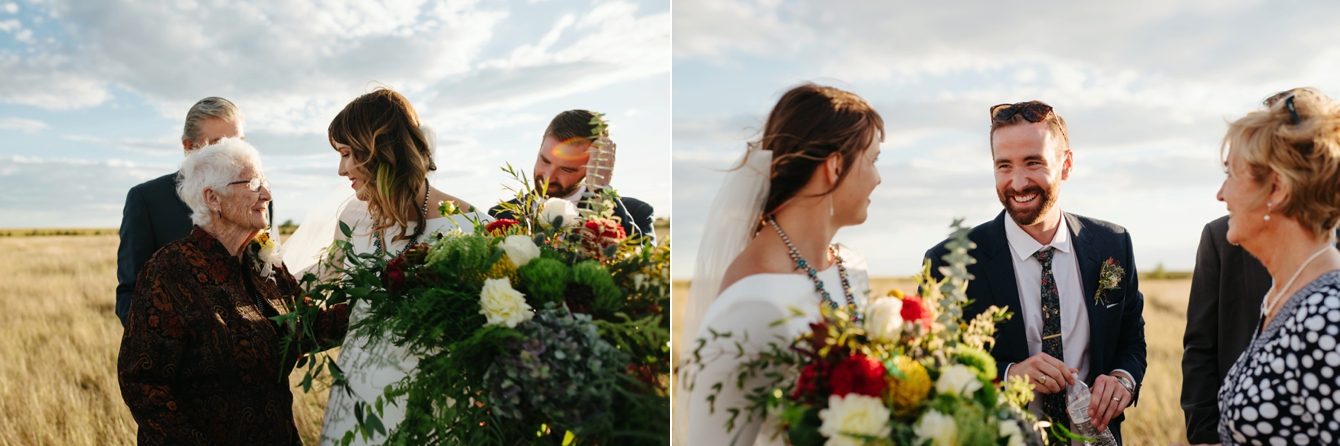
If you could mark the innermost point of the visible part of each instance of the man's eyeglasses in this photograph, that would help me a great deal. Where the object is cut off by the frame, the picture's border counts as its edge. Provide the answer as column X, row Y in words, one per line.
column 255, row 184
column 1033, row 111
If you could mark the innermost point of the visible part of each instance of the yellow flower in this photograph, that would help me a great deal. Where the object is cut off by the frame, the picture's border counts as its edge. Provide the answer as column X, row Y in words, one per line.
column 504, row 269
column 905, row 394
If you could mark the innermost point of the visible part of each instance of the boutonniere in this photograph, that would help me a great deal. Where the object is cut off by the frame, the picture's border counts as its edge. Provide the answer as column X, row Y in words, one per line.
column 267, row 255
column 1108, row 279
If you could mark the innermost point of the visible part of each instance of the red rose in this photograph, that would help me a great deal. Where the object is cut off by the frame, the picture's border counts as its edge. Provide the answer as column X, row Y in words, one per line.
column 500, row 226
column 394, row 279
column 859, row 374
column 644, row 373
column 808, row 384
column 915, row 309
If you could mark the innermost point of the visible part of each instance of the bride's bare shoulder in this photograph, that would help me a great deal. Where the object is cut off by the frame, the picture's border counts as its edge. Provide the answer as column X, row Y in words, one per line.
column 757, row 258
column 438, row 196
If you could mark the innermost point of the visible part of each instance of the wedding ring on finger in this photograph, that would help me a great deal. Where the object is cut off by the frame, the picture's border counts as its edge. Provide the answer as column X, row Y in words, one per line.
column 1116, row 398
column 1043, row 380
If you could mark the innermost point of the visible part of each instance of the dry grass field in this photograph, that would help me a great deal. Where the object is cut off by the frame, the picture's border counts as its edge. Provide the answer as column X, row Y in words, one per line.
column 59, row 338
column 1158, row 418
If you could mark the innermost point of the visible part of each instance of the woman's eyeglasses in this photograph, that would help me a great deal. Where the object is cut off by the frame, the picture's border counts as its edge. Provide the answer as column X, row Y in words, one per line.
column 255, row 184
column 1033, row 111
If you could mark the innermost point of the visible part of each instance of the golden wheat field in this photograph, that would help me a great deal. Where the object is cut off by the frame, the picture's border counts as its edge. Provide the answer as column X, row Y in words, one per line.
column 1157, row 420
column 59, row 337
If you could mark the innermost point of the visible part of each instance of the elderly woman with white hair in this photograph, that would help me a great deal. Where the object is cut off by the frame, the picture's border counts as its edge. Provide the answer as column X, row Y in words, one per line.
column 201, row 361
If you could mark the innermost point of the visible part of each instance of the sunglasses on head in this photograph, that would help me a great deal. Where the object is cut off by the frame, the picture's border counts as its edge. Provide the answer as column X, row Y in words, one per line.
column 1033, row 111
column 1288, row 97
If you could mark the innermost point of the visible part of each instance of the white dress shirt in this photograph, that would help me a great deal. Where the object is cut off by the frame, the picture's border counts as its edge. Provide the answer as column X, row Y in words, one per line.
column 1074, row 314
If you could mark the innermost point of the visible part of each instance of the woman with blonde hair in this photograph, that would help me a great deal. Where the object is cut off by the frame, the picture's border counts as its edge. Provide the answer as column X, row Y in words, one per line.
column 1283, row 198
column 386, row 153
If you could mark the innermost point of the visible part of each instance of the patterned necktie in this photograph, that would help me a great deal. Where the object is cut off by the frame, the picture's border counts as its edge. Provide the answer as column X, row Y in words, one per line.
column 1053, row 405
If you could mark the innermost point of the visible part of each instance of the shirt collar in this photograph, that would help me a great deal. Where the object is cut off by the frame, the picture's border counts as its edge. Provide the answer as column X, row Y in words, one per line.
column 576, row 196
column 1024, row 246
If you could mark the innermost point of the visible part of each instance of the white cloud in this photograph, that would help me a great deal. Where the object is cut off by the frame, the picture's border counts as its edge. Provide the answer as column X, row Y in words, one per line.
column 619, row 46
column 11, row 7
column 23, row 125
column 1146, row 87
column 289, row 65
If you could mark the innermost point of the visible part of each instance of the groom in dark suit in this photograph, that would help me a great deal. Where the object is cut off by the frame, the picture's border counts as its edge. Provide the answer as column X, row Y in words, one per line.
column 154, row 215
column 1044, row 266
column 562, row 160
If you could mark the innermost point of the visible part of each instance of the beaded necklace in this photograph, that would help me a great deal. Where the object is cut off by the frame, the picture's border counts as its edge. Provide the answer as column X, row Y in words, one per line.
column 802, row 264
column 377, row 238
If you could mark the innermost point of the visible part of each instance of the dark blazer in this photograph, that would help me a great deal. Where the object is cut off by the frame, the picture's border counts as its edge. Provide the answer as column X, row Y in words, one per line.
column 1221, row 316
column 1117, row 333
column 634, row 214
column 153, row 217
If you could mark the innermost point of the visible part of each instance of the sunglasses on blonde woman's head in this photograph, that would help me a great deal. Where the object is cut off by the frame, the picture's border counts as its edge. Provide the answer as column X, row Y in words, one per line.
column 255, row 184
column 1033, row 111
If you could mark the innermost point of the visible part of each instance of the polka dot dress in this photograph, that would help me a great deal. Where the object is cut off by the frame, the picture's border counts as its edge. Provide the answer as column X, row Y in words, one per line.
column 1285, row 388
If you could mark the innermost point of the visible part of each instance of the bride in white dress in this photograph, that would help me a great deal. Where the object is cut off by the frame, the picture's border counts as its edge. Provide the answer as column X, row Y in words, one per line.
column 378, row 132
column 769, row 248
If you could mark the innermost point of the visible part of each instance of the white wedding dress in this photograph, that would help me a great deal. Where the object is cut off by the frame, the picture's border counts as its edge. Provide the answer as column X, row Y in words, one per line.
column 748, row 308
column 370, row 367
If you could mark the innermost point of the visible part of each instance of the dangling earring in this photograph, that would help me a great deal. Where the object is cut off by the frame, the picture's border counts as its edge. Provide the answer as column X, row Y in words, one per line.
column 1268, row 209
column 830, row 205
column 220, row 212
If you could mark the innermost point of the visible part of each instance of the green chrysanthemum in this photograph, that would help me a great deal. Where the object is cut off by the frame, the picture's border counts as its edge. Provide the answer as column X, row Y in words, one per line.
column 544, row 280
column 591, row 273
column 978, row 360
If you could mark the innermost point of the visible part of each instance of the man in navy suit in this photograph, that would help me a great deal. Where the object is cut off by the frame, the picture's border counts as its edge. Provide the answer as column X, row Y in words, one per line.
column 563, row 162
column 1044, row 265
column 154, row 215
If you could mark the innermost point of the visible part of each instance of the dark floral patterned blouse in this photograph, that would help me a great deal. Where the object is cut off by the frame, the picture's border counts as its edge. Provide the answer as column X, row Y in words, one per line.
column 200, row 361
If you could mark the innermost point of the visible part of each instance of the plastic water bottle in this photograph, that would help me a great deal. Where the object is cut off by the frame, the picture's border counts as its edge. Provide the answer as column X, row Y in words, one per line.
column 1077, row 403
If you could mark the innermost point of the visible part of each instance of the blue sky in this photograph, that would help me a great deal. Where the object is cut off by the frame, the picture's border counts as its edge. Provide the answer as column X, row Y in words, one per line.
column 93, row 93
column 1147, row 88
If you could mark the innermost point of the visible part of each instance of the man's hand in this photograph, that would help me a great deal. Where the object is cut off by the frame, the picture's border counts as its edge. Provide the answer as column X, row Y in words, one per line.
column 601, row 170
column 1048, row 374
column 1110, row 399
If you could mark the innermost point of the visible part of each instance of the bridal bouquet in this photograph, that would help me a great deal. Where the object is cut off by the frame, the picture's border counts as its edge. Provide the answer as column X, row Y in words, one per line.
column 550, row 328
column 912, row 373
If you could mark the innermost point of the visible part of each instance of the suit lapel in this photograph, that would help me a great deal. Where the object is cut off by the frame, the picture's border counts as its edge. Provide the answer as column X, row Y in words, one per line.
column 1088, row 254
column 998, row 267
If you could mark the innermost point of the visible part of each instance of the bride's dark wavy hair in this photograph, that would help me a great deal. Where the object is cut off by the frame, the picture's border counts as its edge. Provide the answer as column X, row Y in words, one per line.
column 809, row 123
column 381, row 129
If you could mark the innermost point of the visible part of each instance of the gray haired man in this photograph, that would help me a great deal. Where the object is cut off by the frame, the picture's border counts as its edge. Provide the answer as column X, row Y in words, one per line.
column 154, row 215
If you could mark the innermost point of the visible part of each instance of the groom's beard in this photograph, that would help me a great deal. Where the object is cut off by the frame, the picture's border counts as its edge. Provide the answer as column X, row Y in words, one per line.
column 556, row 190
column 1027, row 217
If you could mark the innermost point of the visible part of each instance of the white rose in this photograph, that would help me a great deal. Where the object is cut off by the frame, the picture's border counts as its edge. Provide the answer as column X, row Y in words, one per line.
column 854, row 414
column 939, row 428
column 1010, row 429
column 520, row 249
column 503, row 305
column 958, row 379
column 884, row 319
column 558, row 207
